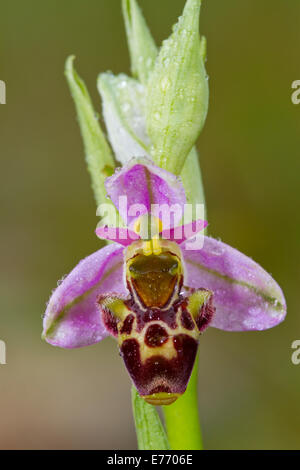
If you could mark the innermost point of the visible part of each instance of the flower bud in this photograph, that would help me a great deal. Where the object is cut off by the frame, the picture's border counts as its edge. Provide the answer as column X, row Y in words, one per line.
column 177, row 94
column 142, row 47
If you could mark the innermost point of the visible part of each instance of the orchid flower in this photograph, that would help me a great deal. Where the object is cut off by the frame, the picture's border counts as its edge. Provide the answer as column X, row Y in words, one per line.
column 156, row 296
column 161, row 282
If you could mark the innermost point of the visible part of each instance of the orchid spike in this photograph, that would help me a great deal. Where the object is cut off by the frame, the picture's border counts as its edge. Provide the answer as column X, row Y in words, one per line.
column 156, row 293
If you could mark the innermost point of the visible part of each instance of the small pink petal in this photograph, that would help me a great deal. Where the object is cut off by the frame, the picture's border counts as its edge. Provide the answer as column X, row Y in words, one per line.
column 139, row 185
column 72, row 317
column 120, row 235
column 246, row 297
column 184, row 232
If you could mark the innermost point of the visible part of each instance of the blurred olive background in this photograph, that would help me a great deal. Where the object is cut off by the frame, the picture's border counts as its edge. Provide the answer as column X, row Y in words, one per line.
column 248, row 386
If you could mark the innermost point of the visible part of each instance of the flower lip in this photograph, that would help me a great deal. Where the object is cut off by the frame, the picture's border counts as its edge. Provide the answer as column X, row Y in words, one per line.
column 163, row 369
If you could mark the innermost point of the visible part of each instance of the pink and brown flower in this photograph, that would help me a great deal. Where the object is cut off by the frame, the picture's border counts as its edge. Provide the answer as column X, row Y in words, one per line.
column 156, row 294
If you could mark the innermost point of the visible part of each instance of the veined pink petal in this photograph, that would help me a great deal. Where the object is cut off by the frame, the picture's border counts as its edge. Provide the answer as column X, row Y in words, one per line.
column 139, row 185
column 72, row 318
column 184, row 232
column 120, row 235
column 246, row 297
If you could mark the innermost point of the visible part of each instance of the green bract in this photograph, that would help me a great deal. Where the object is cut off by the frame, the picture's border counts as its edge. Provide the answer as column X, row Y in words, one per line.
column 99, row 158
column 142, row 48
column 177, row 92
column 149, row 429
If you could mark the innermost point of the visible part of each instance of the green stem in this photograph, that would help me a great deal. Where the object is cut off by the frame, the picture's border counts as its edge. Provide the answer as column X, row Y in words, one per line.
column 182, row 418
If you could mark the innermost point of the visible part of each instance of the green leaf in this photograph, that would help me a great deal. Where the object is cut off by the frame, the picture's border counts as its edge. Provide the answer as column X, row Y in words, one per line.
column 99, row 158
column 142, row 48
column 149, row 429
column 177, row 92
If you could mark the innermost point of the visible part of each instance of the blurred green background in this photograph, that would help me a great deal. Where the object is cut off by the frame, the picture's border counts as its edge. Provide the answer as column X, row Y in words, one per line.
column 248, row 386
